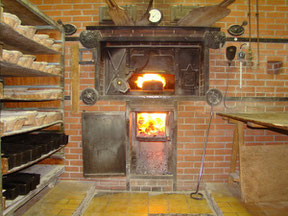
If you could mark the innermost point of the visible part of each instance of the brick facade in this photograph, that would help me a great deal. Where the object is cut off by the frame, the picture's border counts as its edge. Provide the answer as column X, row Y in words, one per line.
column 192, row 116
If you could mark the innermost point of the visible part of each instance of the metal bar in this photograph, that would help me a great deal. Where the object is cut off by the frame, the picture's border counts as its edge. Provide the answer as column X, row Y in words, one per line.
column 185, row 97
column 239, row 39
column 153, row 46
column 152, row 28
column 257, row 27
column 262, row 40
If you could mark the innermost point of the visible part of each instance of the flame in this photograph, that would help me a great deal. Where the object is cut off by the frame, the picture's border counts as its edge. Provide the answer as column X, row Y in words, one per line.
column 149, row 77
column 151, row 124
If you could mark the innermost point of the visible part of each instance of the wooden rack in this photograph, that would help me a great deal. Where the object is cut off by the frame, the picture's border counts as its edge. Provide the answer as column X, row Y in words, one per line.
column 13, row 74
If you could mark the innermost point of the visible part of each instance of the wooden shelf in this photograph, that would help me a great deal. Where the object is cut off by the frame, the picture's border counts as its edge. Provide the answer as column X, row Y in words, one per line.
column 48, row 175
column 31, row 128
column 13, row 94
column 8, row 69
column 13, row 39
column 23, row 166
column 28, row 13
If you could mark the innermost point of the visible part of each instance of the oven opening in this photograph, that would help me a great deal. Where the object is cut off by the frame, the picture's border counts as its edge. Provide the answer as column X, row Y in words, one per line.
column 151, row 126
column 152, row 82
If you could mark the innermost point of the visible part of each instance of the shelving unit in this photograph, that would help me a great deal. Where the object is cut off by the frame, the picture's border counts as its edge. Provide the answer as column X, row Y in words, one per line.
column 13, row 75
column 9, row 69
column 49, row 174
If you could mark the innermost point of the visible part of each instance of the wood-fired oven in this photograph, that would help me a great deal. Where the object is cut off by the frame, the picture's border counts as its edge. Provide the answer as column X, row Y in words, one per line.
column 150, row 68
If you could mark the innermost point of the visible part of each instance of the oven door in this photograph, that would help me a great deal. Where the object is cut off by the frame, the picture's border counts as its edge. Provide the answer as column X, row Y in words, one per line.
column 104, row 142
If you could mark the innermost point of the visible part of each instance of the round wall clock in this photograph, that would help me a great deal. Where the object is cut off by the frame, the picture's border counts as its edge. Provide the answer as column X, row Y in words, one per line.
column 155, row 16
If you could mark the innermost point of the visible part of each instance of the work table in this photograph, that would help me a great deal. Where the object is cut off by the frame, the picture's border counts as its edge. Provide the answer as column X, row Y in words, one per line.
column 265, row 119
column 262, row 168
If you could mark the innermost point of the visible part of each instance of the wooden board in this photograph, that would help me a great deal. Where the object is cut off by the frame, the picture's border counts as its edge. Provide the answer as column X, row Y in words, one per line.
column 264, row 173
column 267, row 119
column 206, row 16
column 23, row 10
column 13, row 39
column 118, row 14
column 75, row 79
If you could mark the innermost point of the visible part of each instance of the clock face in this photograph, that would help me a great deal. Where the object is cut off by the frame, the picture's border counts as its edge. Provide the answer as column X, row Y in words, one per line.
column 155, row 15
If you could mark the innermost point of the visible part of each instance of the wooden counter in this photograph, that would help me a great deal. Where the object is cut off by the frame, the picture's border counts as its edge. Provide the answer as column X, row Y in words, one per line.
column 263, row 168
column 268, row 119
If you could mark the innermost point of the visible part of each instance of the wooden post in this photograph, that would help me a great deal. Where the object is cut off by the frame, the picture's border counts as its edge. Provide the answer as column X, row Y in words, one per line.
column 75, row 76
column 235, row 151
column 240, row 128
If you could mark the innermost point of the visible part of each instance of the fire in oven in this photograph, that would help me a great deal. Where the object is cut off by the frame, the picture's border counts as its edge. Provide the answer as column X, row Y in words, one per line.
column 151, row 142
column 151, row 126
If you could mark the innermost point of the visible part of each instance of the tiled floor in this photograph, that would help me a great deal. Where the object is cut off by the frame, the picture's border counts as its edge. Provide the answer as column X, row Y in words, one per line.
column 143, row 204
column 68, row 198
column 62, row 200
column 229, row 203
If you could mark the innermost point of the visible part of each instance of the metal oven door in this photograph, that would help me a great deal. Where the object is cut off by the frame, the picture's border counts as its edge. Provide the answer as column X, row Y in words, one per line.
column 104, row 139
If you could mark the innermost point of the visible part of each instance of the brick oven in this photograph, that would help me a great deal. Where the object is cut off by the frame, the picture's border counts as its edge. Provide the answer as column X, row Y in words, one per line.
column 151, row 69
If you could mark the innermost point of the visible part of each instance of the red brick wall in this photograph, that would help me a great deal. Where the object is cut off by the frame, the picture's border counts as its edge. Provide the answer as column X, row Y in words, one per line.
column 193, row 116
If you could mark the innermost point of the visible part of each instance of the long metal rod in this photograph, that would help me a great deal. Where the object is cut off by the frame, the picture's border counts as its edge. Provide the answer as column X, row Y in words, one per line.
column 196, row 193
column 250, row 33
column 257, row 26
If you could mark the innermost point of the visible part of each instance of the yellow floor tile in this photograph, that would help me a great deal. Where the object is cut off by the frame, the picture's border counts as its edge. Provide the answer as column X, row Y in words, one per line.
column 118, row 202
column 138, row 209
column 65, row 212
column 136, row 214
column 116, row 208
column 99, row 201
column 158, row 202
column 120, row 195
column 92, row 214
column 176, row 196
column 158, row 209
column 158, row 196
column 63, row 199
column 114, row 214
column 179, row 209
column 244, row 214
column 178, row 202
column 223, row 204
column 138, row 202
column 139, row 196
column 230, row 214
column 201, row 209
column 96, row 208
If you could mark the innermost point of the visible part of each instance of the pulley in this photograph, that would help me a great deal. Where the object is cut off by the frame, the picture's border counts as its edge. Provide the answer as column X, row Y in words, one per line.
column 89, row 96
column 214, row 97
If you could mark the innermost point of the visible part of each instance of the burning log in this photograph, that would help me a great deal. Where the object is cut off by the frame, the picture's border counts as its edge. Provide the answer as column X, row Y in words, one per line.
column 151, row 82
column 153, row 85
column 151, row 124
